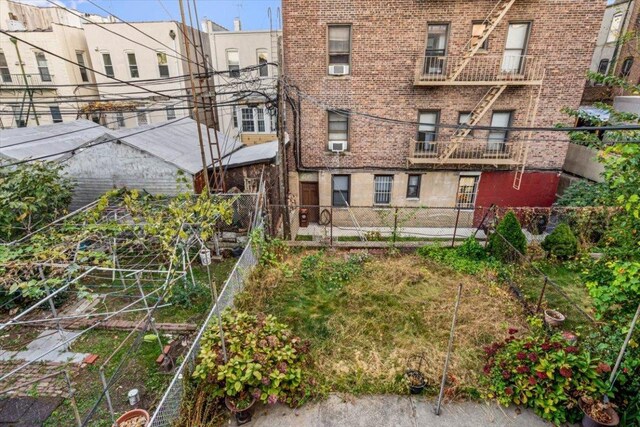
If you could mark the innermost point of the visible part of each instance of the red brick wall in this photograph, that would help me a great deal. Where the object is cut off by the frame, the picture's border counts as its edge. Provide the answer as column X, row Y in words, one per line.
column 389, row 36
column 538, row 189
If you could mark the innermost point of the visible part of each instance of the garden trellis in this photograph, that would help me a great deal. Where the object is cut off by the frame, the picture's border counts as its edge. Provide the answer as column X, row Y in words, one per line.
column 119, row 258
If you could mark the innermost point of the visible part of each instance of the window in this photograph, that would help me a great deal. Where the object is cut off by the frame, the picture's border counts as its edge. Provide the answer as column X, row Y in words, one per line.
column 413, row 187
column 515, row 48
column 142, row 118
column 17, row 116
column 108, row 66
column 43, row 68
column 133, row 65
column 437, row 40
column 262, row 62
column 626, row 67
column 233, row 62
column 339, row 44
column 427, row 131
column 467, row 189
column 603, row 66
column 260, row 119
column 382, row 185
column 477, row 30
column 341, row 185
column 614, row 29
column 5, row 75
column 83, row 68
column 163, row 65
column 497, row 138
column 463, row 119
column 171, row 113
column 248, row 125
column 56, row 115
column 235, row 118
column 338, row 129
column 120, row 119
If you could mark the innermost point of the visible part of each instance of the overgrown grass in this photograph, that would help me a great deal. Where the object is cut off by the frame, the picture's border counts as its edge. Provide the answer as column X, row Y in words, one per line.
column 364, row 319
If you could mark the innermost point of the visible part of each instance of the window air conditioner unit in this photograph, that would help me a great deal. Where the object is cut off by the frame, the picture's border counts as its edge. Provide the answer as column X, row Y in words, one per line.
column 338, row 70
column 337, row 146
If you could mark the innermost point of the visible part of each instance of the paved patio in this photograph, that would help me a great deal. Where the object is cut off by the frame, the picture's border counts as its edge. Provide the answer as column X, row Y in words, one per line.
column 392, row 411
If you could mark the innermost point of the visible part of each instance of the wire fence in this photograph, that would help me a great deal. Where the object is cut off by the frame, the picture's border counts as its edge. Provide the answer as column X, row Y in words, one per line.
column 168, row 409
column 332, row 225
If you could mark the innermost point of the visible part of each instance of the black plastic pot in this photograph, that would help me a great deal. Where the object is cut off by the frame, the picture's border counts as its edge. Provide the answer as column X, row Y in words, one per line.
column 416, row 381
column 587, row 421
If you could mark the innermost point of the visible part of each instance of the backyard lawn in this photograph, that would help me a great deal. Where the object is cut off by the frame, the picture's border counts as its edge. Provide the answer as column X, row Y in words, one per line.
column 365, row 315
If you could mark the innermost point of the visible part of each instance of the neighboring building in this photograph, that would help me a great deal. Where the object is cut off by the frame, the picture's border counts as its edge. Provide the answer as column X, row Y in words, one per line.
column 160, row 159
column 164, row 57
column 616, row 51
column 254, row 121
column 50, row 89
column 428, row 66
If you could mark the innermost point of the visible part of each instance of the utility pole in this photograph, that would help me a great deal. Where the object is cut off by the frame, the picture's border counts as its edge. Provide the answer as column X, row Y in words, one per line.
column 205, row 167
column 282, row 158
column 26, row 85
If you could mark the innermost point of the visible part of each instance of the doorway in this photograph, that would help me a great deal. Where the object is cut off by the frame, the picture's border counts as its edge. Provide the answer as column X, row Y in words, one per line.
column 310, row 199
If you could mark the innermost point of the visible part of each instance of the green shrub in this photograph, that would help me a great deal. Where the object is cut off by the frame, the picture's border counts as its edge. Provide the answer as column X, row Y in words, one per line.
column 561, row 243
column 468, row 258
column 265, row 360
column 471, row 249
column 507, row 239
column 543, row 373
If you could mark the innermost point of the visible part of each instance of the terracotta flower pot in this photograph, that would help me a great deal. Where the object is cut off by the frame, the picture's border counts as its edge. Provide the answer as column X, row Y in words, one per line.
column 553, row 317
column 132, row 415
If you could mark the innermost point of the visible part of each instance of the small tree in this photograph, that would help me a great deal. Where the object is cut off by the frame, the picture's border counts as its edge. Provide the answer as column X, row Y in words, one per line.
column 507, row 239
column 31, row 195
column 561, row 243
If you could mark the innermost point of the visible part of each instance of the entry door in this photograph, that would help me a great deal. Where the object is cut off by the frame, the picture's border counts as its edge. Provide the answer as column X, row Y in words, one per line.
column 310, row 199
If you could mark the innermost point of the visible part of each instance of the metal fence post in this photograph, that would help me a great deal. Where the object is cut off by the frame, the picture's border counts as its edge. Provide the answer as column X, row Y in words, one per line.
column 395, row 225
column 455, row 228
column 544, row 287
column 331, row 225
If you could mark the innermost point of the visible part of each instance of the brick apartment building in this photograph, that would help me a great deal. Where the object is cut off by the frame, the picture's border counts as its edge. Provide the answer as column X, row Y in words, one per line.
column 427, row 66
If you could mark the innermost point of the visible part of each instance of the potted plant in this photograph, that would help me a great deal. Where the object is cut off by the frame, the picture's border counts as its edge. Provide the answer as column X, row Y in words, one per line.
column 553, row 317
column 133, row 418
column 597, row 413
column 416, row 381
column 240, row 406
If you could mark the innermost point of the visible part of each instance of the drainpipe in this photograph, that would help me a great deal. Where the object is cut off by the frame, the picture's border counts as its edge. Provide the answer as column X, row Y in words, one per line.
column 26, row 83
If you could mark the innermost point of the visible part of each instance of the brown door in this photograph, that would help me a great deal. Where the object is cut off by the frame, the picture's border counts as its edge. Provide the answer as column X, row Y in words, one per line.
column 310, row 199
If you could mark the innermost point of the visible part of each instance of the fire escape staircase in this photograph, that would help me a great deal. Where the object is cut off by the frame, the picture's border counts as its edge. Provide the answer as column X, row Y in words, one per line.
column 478, row 112
column 490, row 23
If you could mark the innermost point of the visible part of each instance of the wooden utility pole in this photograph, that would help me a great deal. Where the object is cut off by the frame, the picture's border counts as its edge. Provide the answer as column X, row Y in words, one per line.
column 282, row 158
column 205, row 166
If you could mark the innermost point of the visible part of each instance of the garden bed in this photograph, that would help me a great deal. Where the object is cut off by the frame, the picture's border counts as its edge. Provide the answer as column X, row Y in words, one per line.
column 364, row 316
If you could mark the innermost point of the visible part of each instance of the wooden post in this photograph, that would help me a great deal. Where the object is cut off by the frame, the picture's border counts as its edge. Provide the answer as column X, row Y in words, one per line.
column 282, row 166
column 544, row 287
column 395, row 225
column 455, row 229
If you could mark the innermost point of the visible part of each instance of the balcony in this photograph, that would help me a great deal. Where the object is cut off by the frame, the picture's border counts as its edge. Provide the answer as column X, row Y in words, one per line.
column 509, row 153
column 34, row 81
column 479, row 70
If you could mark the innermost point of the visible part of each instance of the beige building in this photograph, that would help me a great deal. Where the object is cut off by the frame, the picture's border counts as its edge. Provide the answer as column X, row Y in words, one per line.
column 154, row 61
column 38, row 87
column 247, row 64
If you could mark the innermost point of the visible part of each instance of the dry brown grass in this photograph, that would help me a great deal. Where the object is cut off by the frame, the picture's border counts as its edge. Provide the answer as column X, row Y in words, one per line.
column 363, row 332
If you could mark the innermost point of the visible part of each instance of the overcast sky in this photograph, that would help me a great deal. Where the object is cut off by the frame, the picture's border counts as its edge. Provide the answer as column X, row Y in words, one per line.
column 252, row 13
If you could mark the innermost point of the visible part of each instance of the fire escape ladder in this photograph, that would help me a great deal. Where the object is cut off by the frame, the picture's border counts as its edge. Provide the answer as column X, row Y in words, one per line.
column 474, row 118
column 490, row 23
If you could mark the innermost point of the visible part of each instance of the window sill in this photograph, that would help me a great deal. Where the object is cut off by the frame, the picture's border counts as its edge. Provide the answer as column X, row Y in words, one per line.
column 413, row 199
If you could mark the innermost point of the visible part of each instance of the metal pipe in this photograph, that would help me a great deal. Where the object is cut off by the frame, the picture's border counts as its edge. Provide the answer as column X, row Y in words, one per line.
column 26, row 83
column 446, row 362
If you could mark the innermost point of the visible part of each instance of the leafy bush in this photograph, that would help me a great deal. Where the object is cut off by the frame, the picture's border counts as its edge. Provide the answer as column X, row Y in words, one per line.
column 583, row 194
column 265, row 360
column 188, row 294
column 468, row 258
column 471, row 249
column 507, row 239
column 561, row 243
column 615, row 292
column 543, row 373
column 331, row 274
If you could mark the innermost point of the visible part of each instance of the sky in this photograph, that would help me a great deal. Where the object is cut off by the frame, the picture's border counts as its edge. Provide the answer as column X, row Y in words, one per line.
column 253, row 13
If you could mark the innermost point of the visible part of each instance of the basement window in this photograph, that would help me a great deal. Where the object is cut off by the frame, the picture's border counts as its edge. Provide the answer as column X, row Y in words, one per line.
column 467, row 190
column 382, row 185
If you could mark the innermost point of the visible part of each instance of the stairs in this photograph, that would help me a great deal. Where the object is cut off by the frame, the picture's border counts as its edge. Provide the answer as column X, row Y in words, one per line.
column 478, row 112
column 490, row 23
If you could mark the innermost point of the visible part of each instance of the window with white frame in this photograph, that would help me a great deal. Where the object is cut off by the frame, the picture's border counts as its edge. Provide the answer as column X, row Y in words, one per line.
column 133, row 65
column 427, row 130
column 614, row 29
column 108, row 65
column 338, row 126
column 382, row 185
column 253, row 120
column 83, row 67
column 498, row 137
column 515, row 48
column 233, row 62
column 263, row 60
column 171, row 112
column 248, row 123
column 163, row 64
column 467, row 190
column 43, row 67
column 339, row 44
column 5, row 74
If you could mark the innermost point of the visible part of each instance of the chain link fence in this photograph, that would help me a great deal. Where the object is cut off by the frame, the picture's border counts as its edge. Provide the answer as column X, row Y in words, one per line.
column 168, row 409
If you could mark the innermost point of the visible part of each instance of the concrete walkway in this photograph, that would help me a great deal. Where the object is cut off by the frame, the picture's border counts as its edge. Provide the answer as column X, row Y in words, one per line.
column 391, row 411
column 40, row 349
